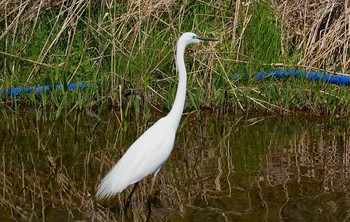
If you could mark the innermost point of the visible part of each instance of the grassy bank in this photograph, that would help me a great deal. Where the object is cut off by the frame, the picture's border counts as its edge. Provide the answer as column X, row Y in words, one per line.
column 125, row 51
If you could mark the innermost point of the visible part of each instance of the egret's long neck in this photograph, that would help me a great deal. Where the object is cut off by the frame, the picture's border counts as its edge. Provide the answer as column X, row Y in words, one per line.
column 176, row 112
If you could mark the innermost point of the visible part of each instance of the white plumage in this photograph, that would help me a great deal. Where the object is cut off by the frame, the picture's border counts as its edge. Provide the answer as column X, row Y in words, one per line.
column 147, row 154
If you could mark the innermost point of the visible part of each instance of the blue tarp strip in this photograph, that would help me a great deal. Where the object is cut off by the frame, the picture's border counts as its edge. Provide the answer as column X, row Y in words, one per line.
column 329, row 78
column 38, row 89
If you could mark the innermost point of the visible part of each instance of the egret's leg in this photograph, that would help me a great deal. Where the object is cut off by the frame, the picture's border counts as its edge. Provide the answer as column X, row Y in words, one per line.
column 150, row 198
column 149, row 205
column 128, row 200
column 152, row 185
column 150, row 195
column 154, row 179
column 149, row 211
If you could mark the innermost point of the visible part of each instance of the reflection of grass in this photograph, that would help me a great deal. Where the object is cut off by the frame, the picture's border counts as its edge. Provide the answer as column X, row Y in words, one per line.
column 126, row 53
column 218, row 164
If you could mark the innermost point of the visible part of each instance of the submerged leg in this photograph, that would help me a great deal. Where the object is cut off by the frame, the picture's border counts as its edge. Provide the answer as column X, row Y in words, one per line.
column 128, row 200
column 150, row 199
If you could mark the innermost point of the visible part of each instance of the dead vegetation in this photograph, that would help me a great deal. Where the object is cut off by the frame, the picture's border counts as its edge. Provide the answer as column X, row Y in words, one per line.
column 319, row 29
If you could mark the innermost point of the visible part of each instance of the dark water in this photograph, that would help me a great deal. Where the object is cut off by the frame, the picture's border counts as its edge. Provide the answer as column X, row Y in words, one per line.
column 222, row 168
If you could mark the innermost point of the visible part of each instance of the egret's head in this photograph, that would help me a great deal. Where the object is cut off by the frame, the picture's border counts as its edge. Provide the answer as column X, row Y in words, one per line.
column 189, row 37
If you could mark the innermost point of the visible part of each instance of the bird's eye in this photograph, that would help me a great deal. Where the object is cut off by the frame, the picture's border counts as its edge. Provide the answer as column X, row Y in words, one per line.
column 194, row 37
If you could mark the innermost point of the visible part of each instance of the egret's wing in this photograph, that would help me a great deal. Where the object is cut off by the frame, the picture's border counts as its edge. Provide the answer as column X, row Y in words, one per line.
column 144, row 156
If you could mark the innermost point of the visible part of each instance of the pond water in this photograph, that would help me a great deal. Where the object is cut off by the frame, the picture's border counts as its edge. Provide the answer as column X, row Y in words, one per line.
column 222, row 168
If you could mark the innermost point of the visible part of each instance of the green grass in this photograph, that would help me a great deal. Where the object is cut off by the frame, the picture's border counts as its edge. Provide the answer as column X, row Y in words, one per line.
column 126, row 54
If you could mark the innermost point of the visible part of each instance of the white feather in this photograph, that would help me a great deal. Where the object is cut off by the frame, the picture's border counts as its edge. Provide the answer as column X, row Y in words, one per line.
column 145, row 156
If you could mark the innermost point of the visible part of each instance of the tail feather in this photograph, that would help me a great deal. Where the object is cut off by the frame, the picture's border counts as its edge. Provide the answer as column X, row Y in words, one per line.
column 110, row 184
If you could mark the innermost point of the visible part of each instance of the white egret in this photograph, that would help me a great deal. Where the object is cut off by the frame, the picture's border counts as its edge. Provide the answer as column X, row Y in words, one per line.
column 147, row 154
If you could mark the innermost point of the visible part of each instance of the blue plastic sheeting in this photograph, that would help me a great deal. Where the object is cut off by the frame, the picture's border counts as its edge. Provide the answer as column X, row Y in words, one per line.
column 329, row 78
column 38, row 89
